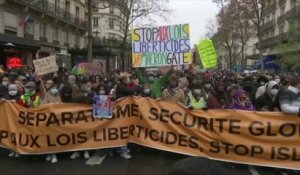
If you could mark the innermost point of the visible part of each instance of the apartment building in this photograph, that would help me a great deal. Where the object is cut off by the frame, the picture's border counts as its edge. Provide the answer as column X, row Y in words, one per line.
column 37, row 28
column 108, row 27
column 281, row 30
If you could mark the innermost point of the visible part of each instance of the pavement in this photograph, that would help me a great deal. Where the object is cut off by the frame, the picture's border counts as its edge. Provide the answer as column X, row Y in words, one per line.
column 144, row 162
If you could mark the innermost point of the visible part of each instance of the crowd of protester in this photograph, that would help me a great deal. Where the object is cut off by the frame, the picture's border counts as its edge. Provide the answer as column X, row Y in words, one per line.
column 195, row 90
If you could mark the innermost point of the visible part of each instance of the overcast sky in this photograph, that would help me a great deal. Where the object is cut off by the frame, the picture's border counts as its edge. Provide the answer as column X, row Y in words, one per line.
column 194, row 12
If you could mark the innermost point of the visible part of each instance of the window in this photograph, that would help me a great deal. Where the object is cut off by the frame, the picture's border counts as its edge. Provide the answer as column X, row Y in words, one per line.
column 111, row 23
column 67, row 37
column 29, row 28
column 111, row 9
column 95, row 21
column 43, row 30
column 293, row 3
column 282, row 8
column 67, row 7
column 77, row 12
column 56, row 5
column 55, row 34
column 10, row 23
column 281, row 29
column 77, row 40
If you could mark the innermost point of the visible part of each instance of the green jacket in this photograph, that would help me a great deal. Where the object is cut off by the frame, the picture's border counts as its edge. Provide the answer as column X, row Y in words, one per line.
column 155, row 86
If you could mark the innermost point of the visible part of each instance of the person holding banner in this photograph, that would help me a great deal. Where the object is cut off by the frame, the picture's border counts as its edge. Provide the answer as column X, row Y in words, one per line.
column 173, row 93
column 121, row 91
column 290, row 98
column 242, row 101
column 31, row 98
column 156, row 83
column 49, row 94
column 196, row 98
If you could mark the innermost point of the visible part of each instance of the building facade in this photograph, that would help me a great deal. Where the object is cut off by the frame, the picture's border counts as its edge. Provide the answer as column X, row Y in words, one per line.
column 108, row 27
column 31, row 29
column 281, row 31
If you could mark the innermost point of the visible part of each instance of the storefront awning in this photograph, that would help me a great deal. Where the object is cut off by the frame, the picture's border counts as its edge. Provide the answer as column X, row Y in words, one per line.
column 18, row 41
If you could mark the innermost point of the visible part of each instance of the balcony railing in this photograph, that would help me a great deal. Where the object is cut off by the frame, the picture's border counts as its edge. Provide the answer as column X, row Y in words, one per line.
column 281, row 19
column 283, row 37
column 293, row 13
column 28, row 36
column 56, row 42
column 269, row 42
column 268, row 25
column 50, row 9
column 43, row 39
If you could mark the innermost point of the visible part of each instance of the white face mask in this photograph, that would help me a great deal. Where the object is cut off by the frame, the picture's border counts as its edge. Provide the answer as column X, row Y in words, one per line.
column 207, row 86
column 4, row 83
column 274, row 92
column 12, row 93
column 197, row 91
column 146, row 91
column 54, row 91
column 277, row 80
column 102, row 92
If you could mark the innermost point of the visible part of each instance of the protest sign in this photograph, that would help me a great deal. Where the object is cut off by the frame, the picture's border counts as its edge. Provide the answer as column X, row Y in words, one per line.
column 161, row 46
column 257, row 138
column 103, row 106
column 208, row 53
column 45, row 65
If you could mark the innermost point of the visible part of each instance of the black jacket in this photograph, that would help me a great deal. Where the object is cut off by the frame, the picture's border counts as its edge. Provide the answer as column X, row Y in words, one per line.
column 266, row 101
column 123, row 91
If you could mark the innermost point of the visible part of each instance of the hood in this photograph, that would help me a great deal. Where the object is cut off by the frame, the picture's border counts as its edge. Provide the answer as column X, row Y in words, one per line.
column 270, row 85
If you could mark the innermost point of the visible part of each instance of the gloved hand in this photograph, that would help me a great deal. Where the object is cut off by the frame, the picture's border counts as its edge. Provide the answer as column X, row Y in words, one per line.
column 191, row 108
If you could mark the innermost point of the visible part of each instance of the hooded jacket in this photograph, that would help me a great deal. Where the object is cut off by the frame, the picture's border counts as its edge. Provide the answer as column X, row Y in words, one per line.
column 267, row 99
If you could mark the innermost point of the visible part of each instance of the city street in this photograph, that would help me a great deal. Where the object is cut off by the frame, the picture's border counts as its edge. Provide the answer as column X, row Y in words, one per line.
column 147, row 162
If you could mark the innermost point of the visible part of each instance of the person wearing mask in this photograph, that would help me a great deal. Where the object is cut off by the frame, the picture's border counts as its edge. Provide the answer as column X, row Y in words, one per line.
column 121, row 91
column 31, row 98
column 30, row 75
column 196, row 98
column 212, row 102
column 49, row 94
column 285, row 83
column 66, row 93
column 4, row 86
column 173, row 93
column 242, row 101
column 230, row 94
column 13, row 94
column 155, row 82
column 270, row 100
column 290, row 99
column 261, row 88
column 146, row 92
column 219, row 93
column 73, row 84
column 20, row 86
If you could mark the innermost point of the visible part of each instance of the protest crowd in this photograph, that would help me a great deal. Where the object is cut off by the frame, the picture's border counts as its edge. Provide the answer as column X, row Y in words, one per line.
column 194, row 89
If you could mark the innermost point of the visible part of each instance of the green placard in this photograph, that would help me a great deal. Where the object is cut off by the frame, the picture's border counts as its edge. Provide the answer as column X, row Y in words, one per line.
column 208, row 53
